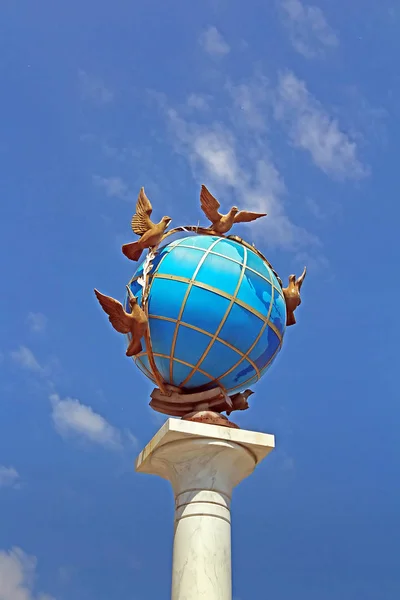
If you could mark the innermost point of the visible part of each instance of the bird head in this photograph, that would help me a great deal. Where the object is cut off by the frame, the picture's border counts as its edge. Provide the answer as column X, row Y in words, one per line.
column 234, row 210
column 247, row 393
column 132, row 298
column 292, row 279
column 166, row 221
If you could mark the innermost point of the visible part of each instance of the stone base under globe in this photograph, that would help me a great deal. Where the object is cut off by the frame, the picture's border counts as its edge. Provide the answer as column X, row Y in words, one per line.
column 216, row 314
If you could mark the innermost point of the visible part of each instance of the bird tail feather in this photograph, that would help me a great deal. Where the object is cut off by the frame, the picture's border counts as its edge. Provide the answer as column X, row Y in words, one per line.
column 290, row 319
column 133, row 251
column 134, row 348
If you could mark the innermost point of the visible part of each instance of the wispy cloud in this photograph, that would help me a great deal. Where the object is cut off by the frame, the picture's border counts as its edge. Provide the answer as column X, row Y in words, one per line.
column 9, row 477
column 251, row 100
column 17, row 575
column 37, row 322
column 94, row 89
column 312, row 129
column 26, row 359
column 213, row 42
column 237, row 165
column 309, row 31
column 70, row 417
column 114, row 187
column 198, row 102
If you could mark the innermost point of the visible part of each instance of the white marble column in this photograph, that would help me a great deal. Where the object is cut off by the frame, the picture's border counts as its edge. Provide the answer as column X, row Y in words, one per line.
column 203, row 463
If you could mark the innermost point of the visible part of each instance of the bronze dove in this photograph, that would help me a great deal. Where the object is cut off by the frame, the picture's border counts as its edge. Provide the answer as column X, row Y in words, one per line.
column 239, row 401
column 133, row 323
column 223, row 223
column 292, row 296
column 150, row 233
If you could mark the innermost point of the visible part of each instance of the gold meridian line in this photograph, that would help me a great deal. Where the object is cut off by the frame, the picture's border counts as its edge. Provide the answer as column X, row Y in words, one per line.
column 157, row 378
column 160, row 318
column 270, row 281
column 189, row 287
column 222, row 322
column 148, row 373
column 246, row 355
column 178, row 360
column 267, row 365
column 195, row 328
column 210, row 288
column 149, row 347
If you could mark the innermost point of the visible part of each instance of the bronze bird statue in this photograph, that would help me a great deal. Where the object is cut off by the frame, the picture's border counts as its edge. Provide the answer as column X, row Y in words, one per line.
column 292, row 296
column 239, row 401
column 150, row 233
column 223, row 223
column 133, row 323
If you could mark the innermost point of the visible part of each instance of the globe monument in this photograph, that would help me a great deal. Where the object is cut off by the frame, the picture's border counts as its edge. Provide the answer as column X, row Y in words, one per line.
column 205, row 316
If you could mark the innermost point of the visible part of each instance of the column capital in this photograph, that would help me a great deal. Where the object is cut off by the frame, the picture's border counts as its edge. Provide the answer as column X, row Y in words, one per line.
column 188, row 454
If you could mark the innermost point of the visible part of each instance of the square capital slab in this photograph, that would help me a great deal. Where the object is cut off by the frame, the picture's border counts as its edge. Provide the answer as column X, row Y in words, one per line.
column 174, row 430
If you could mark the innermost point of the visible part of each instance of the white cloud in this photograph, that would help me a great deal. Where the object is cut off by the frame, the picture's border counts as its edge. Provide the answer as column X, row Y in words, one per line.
column 94, row 88
column 215, row 151
column 26, row 359
column 197, row 101
column 114, row 187
column 17, row 575
column 37, row 322
column 213, row 42
column 70, row 417
column 309, row 31
column 312, row 129
column 9, row 477
column 252, row 101
column 239, row 168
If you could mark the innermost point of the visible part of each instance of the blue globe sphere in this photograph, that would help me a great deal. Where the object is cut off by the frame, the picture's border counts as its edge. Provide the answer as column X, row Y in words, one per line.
column 217, row 314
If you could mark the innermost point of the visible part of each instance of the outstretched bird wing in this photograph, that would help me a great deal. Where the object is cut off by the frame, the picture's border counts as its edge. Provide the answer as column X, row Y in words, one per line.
column 209, row 205
column 245, row 216
column 141, row 221
column 299, row 281
column 119, row 319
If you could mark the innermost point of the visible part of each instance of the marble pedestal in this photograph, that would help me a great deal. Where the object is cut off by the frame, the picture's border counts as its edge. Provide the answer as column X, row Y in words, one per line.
column 203, row 464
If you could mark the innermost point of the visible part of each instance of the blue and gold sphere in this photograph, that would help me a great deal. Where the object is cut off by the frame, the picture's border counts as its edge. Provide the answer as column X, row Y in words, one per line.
column 216, row 314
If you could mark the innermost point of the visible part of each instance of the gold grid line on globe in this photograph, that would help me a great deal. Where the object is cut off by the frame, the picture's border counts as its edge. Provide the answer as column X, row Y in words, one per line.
column 200, row 330
column 254, row 344
column 243, row 384
column 178, row 360
column 270, row 281
column 143, row 366
column 220, row 326
column 243, row 356
column 219, row 292
column 186, row 296
column 213, row 380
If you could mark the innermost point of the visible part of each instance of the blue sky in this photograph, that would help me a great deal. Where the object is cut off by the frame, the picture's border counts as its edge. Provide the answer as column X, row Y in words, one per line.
column 283, row 106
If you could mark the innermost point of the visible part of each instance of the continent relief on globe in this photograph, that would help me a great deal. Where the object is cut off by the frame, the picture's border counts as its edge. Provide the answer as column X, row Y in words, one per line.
column 217, row 314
